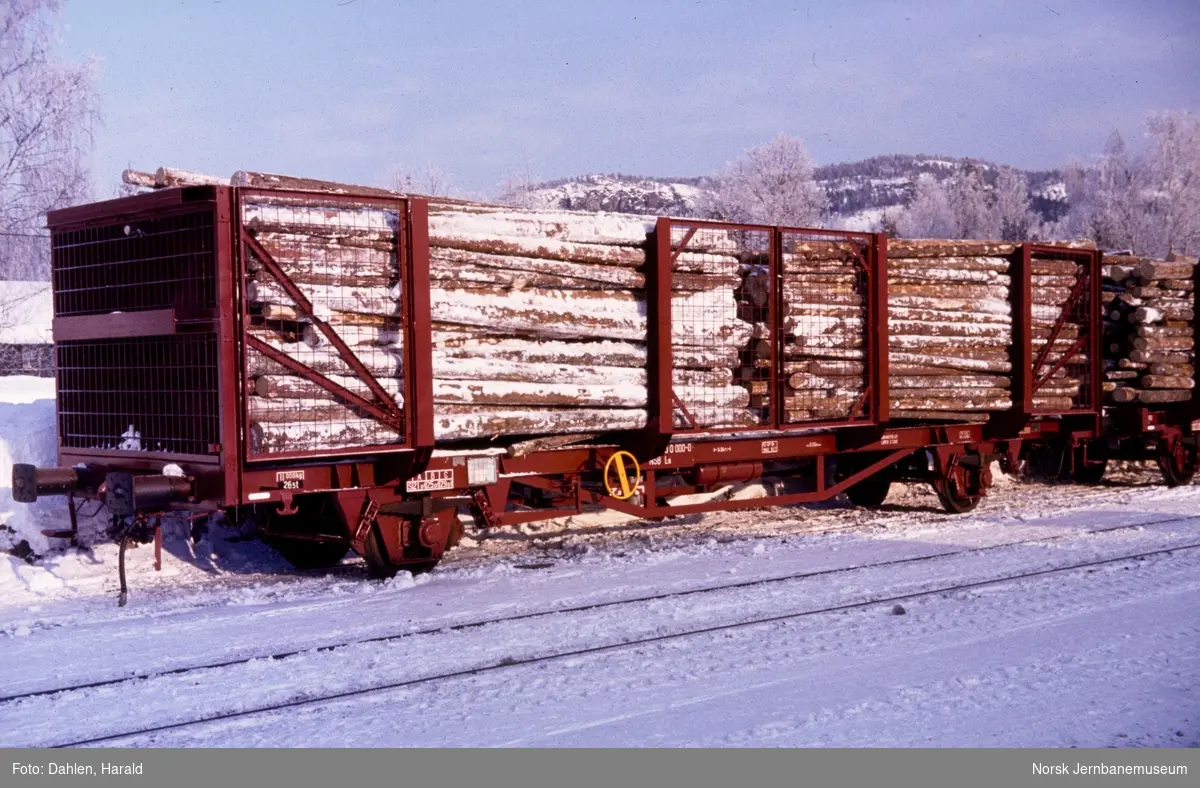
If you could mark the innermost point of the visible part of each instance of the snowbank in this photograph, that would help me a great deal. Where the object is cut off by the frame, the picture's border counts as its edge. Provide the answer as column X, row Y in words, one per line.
column 29, row 561
column 35, row 567
column 27, row 434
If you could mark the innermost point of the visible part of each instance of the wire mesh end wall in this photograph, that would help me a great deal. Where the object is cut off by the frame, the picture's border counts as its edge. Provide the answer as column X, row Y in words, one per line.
column 127, row 383
column 156, row 262
column 141, row 394
column 721, row 326
column 325, row 285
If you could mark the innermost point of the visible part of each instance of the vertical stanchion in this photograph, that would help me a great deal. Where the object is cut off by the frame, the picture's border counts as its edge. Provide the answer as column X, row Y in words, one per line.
column 660, row 358
column 1021, row 295
column 880, row 395
column 420, row 373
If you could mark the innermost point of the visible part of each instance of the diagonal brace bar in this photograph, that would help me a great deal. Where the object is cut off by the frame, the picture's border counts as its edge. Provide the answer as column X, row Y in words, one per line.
column 1072, row 300
column 687, row 239
column 691, row 420
column 313, row 376
column 383, row 399
column 1062, row 362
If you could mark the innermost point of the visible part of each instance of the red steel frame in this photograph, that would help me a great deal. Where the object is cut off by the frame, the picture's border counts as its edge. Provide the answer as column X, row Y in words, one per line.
column 733, row 454
column 412, row 247
column 1078, row 424
column 874, row 406
column 1037, row 372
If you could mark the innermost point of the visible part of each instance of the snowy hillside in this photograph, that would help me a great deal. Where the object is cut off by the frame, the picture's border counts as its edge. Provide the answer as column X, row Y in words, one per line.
column 860, row 193
column 622, row 194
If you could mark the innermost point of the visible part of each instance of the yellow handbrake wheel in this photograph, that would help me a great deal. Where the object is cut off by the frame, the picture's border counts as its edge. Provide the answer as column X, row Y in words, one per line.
column 622, row 475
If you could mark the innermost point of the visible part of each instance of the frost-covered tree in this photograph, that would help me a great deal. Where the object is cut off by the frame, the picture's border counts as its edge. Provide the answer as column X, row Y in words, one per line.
column 1117, row 205
column 770, row 184
column 47, row 113
column 1173, row 182
column 973, row 205
column 889, row 222
column 1013, row 212
column 929, row 214
column 1080, row 184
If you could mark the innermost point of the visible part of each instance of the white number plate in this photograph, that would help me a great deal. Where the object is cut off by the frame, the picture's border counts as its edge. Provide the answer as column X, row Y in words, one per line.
column 290, row 480
column 431, row 480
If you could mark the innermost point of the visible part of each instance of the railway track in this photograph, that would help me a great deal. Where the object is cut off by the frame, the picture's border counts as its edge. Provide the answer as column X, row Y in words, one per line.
column 632, row 642
column 729, row 611
column 533, row 615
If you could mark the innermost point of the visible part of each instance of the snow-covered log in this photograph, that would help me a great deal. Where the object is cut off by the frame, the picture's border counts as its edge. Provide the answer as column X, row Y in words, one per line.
column 328, row 298
column 598, row 275
column 135, row 178
column 296, row 387
column 169, row 176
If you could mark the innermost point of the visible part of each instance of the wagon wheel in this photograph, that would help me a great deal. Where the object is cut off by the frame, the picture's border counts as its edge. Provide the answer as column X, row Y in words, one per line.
column 1043, row 462
column 954, row 502
column 307, row 554
column 1177, row 461
column 870, row 493
column 1090, row 472
column 310, row 545
column 418, row 557
column 955, row 490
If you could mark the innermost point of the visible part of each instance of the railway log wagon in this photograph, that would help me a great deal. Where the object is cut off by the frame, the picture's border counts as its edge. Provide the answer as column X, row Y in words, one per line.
column 352, row 368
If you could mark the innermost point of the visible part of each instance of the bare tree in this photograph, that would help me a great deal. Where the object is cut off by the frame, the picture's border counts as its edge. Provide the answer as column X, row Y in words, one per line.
column 47, row 113
column 431, row 181
column 1013, row 212
column 25, row 311
column 518, row 189
column 1173, row 182
column 770, row 184
column 929, row 214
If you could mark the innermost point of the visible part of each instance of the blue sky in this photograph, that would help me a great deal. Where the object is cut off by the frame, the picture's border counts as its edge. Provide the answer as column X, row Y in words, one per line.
column 490, row 90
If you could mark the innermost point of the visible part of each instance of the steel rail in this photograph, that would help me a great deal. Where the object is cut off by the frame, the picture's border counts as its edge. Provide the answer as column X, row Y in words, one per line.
column 468, row 625
column 509, row 662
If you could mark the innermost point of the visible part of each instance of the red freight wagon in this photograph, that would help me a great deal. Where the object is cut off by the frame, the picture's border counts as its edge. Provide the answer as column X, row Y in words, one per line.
column 283, row 354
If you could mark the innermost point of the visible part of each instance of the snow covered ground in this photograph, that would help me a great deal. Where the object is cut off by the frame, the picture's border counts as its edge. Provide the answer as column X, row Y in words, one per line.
column 1050, row 616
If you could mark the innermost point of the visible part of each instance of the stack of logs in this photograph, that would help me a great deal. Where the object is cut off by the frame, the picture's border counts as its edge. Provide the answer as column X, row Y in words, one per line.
column 949, row 329
column 536, row 288
column 539, row 321
column 1148, row 333
column 824, row 321
column 825, row 347
column 754, row 364
column 345, row 263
